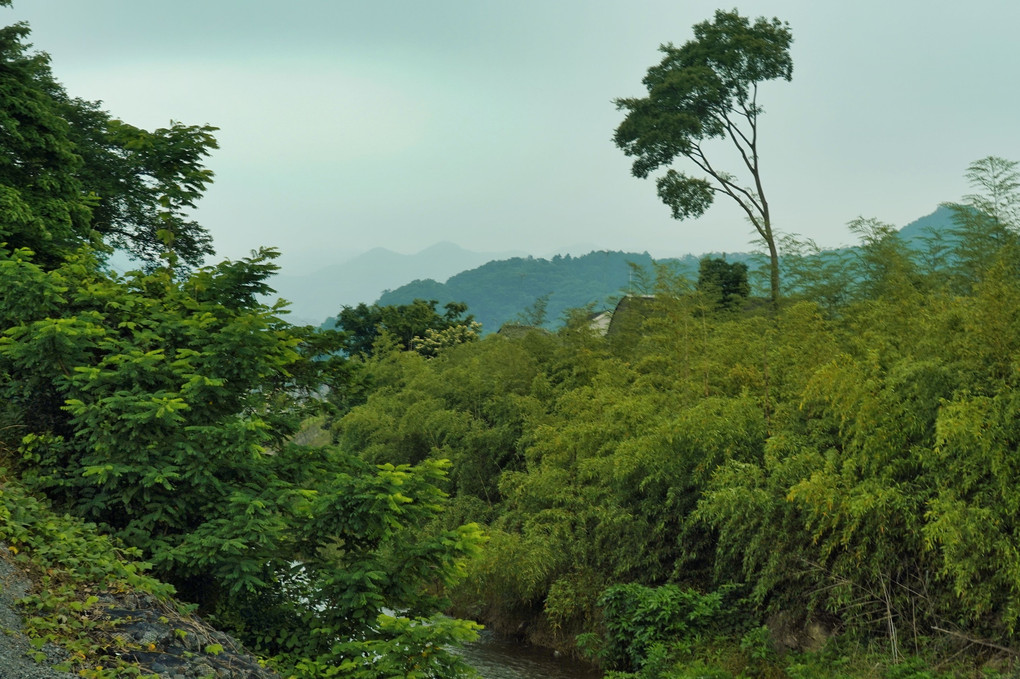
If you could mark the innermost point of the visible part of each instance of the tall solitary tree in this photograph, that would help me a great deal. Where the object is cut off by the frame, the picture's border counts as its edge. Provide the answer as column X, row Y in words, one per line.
column 708, row 89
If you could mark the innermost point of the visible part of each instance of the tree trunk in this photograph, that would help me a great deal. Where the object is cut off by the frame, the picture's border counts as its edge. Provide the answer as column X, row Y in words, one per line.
column 773, row 272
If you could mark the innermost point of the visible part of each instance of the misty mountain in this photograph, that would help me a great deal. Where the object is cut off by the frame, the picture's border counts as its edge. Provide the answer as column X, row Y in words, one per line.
column 939, row 223
column 320, row 294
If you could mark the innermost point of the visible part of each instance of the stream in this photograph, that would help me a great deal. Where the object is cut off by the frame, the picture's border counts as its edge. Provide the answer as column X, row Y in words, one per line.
column 497, row 658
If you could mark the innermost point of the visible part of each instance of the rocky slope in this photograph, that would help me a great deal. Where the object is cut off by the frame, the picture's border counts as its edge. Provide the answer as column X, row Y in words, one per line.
column 134, row 627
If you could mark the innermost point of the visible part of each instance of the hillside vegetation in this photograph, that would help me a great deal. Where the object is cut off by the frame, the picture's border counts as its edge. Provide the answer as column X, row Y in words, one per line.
column 824, row 491
column 312, row 297
column 160, row 407
column 513, row 290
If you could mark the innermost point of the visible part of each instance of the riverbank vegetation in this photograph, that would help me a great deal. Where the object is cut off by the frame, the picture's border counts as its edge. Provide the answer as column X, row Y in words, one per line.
column 840, row 471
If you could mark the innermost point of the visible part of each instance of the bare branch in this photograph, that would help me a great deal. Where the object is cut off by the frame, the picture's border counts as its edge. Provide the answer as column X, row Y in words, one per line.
column 975, row 640
column 736, row 132
column 729, row 187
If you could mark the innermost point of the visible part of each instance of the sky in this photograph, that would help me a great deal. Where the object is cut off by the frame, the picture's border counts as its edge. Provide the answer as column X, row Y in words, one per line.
column 348, row 125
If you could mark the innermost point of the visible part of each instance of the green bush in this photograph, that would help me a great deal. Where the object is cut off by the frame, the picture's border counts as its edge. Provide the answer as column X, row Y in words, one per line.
column 641, row 622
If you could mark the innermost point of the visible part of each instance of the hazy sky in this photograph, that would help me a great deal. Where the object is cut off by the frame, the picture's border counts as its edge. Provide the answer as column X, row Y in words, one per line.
column 401, row 123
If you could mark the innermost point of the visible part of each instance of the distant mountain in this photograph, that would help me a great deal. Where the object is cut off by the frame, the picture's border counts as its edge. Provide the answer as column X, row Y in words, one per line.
column 501, row 291
column 317, row 295
column 917, row 232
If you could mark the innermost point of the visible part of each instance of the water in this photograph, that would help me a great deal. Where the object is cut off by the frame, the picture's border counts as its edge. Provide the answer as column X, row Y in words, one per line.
column 497, row 658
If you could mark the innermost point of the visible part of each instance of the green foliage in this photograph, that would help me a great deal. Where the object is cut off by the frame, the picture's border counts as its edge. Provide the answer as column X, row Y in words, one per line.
column 42, row 203
column 911, row 669
column 154, row 391
column 159, row 405
column 848, row 456
column 159, row 408
column 847, row 459
column 884, row 264
column 71, row 175
column 70, row 563
column 68, row 549
column 997, row 182
column 409, row 650
column 470, row 405
column 724, row 282
column 363, row 553
column 697, row 86
column 986, row 224
column 534, row 289
column 415, row 326
column 810, row 273
column 865, row 505
column 535, row 316
column 641, row 621
column 144, row 183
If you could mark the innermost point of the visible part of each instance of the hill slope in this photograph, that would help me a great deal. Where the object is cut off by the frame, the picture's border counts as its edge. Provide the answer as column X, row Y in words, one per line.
column 918, row 231
column 501, row 291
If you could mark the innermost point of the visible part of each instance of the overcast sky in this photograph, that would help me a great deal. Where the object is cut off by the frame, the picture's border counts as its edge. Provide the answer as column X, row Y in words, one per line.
column 402, row 123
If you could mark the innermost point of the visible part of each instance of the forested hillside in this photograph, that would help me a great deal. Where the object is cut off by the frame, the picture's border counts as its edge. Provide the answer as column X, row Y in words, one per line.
column 515, row 289
column 313, row 296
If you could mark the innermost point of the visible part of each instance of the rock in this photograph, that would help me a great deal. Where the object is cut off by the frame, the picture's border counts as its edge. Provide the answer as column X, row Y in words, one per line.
column 146, row 631
column 171, row 645
column 15, row 662
column 792, row 632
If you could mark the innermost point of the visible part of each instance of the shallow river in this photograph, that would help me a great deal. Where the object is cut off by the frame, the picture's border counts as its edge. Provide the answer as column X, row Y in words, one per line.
column 496, row 658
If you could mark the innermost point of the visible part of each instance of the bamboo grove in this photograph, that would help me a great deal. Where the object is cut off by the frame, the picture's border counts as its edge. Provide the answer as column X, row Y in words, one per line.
column 847, row 463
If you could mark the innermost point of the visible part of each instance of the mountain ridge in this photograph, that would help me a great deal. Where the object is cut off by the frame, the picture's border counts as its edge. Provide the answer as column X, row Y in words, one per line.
column 322, row 293
column 447, row 272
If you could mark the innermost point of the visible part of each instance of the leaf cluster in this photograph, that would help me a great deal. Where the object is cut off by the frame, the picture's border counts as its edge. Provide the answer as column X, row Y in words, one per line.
column 160, row 408
column 361, row 327
column 72, row 175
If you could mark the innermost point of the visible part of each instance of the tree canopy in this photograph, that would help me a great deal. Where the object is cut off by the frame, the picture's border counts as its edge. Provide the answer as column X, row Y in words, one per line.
column 70, row 174
column 703, row 481
column 689, row 495
column 409, row 325
column 726, row 282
